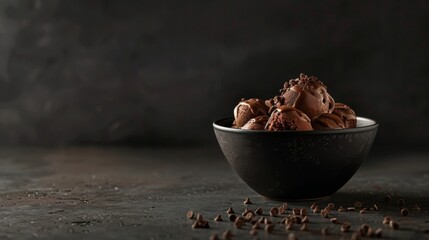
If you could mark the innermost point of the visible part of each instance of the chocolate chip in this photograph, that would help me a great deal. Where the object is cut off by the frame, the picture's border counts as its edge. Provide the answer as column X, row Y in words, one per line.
column 386, row 220
column 362, row 211
column 375, row 207
column 249, row 216
column 334, row 220
column 283, row 220
column 292, row 236
column 401, row 202
column 370, row 233
column 286, row 205
column 303, row 212
column 387, row 198
column 330, row 206
column 404, row 212
column 316, row 209
column 274, row 211
column 227, row 235
column 256, row 226
column 365, row 228
column 325, row 231
column 247, row 201
column 266, row 221
column 200, row 224
column 281, row 209
column 232, row 217
column 230, row 211
column 269, row 228
column 324, row 213
column 214, row 237
column 199, row 217
column 259, row 211
column 379, row 232
column 289, row 220
column 297, row 219
column 358, row 204
column 296, row 211
column 305, row 219
column 341, row 209
column 190, row 215
column 393, row 224
column 253, row 232
column 239, row 222
column 355, row 236
column 351, row 209
column 218, row 218
column 261, row 220
column 345, row 227
column 314, row 205
column 289, row 226
column 304, row 227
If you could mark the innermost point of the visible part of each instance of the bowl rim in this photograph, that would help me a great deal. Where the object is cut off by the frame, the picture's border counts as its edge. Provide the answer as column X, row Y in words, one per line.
column 371, row 125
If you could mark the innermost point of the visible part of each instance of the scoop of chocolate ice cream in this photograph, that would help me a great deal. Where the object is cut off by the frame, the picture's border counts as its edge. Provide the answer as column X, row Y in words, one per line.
column 308, row 94
column 327, row 121
column 257, row 123
column 248, row 109
column 288, row 118
column 346, row 114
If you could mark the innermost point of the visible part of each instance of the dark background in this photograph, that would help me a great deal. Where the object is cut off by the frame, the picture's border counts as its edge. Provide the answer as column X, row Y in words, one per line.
column 158, row 73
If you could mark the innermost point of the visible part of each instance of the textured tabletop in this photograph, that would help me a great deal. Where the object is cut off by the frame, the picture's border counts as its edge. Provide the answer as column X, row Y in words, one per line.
column 125, row 193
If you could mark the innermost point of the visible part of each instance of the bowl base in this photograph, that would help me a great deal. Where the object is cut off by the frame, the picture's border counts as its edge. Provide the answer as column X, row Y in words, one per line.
column 297, row 199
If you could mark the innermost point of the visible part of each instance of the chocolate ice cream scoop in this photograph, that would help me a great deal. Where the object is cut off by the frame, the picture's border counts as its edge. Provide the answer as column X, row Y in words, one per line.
column 248, row 109
column 327, row 121
column 308, row 94
column 346, row 114
column 288, row 118
column 257, row 123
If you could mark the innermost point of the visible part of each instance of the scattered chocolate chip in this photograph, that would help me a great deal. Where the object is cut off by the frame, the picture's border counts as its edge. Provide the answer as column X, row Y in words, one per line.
column 227, row 235
column 345, row 227
column 266, row 221
column 289, row 226
column 239, row 222
column 325, row 231
column 404, row 212
column 232, row 217
column 292, row 236
column 386, row 220
column 324, row 213
column 370, row 209
column 297, row 219
column 351, row 209
column 316, row 209
column 358, row 204
column 305, row 219
column 281, row 209
column 313, row 206
column 274, row 212
column 393, row 224
column 200, row 224
column 286, row 205
column 249, row 216
column 269, row 228
column 253, row 232
column 214, row 237
column 230, row 211
column 247, row 201
column 190, row 215
column 289, row 220
column 261, row 220
column 303, row 212
column 401, row 202
column 256, row 226
column 199, row 217
column 355, row 236
column 296, row 211
column 370, row 233
column 341, row 209
column 375, row 207
column 330, row 206
column 387, row 198
column 379, row 232
column 362, row 210
column 365, row 228
column 304, row 227
column 283, row 220
column 218, row 218
column 259, row 211
column 334, row 220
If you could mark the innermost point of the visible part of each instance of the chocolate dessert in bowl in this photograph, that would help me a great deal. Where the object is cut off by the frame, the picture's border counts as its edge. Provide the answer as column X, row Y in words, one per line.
column 299, row 145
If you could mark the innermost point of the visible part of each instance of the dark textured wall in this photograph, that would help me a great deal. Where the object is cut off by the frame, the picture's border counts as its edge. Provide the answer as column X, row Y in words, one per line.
column 160, row 72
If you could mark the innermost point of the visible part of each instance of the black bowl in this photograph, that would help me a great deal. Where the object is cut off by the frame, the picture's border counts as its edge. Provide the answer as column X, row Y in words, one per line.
column 296, row 165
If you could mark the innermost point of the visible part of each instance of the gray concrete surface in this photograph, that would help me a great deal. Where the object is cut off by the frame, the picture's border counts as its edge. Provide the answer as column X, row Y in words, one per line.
column 124, row 193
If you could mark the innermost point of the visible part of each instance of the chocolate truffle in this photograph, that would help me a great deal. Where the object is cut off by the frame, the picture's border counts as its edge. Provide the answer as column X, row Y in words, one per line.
column 327, row 121
column 288, row 118
column 248, row 109
column 346, row 114
column 257, row 123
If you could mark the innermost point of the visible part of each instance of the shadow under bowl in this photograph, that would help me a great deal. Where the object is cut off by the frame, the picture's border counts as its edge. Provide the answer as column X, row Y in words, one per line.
column 296, row 165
